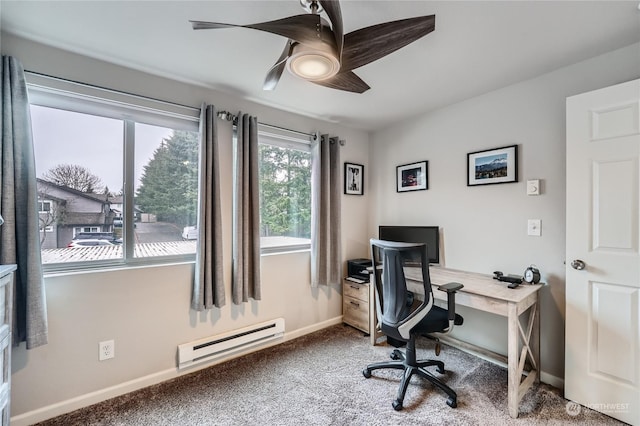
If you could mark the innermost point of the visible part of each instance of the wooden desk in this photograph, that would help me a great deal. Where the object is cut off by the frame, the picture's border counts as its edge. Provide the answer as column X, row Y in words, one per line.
column 484, row 293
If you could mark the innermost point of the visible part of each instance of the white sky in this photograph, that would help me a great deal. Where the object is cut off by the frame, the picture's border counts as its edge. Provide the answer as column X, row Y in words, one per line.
column 64, row 137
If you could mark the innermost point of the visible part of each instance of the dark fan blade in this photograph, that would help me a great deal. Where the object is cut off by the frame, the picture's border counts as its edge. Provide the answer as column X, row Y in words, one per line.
column 372, row 43
column 332, row 7
column 203, row 25
column 301, row 28
column 346, row 81
column 274, row 74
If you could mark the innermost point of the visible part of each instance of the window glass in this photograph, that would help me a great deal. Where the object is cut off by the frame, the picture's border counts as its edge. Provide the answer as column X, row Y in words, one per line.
column 82, row 161
column 44, row 206
column 285, row 195
column 166, row 188
column 79, row 171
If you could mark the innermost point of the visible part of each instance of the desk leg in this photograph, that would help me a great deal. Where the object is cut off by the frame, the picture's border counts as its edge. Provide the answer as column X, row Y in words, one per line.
column 373, row 321
column 517, row 355
column 512, row 355
column 535, row 339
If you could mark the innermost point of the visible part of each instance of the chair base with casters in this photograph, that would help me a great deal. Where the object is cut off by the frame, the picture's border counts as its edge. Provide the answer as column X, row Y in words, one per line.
column 410, row 365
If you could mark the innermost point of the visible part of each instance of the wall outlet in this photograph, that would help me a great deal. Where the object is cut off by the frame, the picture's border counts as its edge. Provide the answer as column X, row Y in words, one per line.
column 106, row 350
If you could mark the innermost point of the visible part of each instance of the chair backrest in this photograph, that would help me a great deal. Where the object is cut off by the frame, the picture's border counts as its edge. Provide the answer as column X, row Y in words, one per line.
column 392, row 262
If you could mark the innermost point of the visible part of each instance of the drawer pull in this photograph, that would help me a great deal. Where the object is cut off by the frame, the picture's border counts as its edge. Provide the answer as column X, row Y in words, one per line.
column 355, row 304
column 354, row 287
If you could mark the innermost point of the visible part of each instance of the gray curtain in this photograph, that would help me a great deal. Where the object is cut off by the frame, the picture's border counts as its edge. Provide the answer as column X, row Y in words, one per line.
column 246, row 212
column 208, row 284
column 19, row 236
column 326, row 256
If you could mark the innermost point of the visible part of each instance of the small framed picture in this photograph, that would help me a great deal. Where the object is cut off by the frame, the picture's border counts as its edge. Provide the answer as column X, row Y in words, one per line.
column 353, row 179
column 412, row 177
column 498, row 165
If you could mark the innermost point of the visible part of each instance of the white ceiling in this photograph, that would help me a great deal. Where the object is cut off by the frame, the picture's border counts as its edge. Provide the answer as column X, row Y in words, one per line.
column 477, row 46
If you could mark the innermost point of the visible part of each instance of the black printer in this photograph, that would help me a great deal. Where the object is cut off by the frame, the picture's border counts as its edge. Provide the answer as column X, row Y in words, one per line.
column 357, row 269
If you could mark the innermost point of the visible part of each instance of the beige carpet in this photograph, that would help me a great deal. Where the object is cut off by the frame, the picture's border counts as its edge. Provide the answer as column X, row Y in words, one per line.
column 317, row 380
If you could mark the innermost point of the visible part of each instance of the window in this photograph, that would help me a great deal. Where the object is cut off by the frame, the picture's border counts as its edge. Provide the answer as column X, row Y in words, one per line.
column 44, row 206
column 117, row 183
column 79, row 230
column 285, row 192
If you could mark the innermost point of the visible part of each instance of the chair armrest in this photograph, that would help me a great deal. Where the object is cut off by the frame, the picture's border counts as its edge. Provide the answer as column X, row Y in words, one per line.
column 451, row 289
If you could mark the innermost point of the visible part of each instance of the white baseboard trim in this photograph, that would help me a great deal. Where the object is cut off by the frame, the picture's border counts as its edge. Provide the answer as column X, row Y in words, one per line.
column 100, row 395
column 312, row 328
column 91, row 398
column 552, row 380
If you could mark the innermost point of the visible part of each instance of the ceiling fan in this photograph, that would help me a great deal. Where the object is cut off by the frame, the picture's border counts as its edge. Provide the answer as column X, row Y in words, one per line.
column 320, row 52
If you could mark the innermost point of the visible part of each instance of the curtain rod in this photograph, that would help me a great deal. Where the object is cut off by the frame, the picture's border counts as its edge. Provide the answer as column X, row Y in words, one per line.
column 229, row 116
column 224, row 115
column 271, row 126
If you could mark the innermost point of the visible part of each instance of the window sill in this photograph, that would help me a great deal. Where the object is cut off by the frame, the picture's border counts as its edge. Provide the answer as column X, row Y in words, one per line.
column 66, row 270
column 281, row 245
column 278, row 251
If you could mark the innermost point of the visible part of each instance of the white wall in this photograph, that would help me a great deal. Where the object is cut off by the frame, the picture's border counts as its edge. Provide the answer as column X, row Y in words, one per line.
column 485, row 228
column 146, row 310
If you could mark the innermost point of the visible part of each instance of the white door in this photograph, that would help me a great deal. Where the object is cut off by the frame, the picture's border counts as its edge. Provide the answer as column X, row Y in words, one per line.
column 602, row 342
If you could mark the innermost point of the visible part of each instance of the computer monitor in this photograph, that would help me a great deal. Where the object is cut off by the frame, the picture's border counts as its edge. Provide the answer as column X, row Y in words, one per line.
column 430, row 235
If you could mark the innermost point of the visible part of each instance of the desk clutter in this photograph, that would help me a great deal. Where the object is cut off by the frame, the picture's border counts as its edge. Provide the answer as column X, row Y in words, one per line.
column 357, row 270
column 531, row 276
column 513, row 280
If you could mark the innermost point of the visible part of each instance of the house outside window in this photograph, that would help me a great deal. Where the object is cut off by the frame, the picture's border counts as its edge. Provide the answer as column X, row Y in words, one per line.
column 112, row 171
column 285, row 192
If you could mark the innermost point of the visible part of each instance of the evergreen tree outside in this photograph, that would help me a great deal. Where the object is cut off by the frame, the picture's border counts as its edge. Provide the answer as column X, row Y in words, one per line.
column 169, row 182
column 285, row 192
column 169, row 186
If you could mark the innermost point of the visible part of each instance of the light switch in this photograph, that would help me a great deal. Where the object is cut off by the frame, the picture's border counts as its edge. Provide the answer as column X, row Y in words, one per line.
column 534, row 227
column 533, row 187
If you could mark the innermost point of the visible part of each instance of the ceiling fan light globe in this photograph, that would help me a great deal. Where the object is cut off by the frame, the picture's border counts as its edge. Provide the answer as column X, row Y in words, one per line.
column 314, row 67
column 313, row 64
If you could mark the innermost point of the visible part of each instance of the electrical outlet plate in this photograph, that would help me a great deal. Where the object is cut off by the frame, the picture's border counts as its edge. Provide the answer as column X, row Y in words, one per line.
column 106, row 350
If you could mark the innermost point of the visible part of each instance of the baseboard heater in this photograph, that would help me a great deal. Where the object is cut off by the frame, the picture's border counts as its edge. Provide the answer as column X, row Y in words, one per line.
column 230, row 343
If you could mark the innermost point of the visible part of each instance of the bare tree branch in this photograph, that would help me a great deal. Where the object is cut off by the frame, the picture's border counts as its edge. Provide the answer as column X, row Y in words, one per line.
column 74, row 176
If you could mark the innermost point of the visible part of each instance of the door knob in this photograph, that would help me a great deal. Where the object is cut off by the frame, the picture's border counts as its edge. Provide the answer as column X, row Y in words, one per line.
column 578, row 264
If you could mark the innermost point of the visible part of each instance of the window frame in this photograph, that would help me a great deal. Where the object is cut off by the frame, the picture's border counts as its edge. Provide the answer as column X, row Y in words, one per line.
column 81, row 98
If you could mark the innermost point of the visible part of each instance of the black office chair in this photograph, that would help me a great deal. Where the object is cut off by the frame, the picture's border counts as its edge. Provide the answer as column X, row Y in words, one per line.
column 400, row 321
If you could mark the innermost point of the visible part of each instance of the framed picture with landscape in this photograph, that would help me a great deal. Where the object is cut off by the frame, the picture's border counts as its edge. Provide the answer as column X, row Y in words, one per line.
column 412, row 177
column 498, row 165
